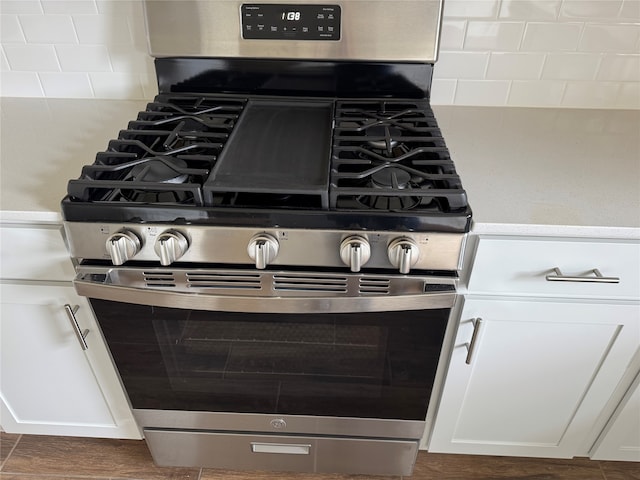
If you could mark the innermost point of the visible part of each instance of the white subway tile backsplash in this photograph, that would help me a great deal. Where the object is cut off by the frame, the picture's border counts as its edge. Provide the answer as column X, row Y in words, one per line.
column 574, row 53
column 620, row 68
column 571, row 66
column 482, row 92
column 590, row 94
column 461, row 65
column 541, row 93
column 443, row 91
column 20, row 84
column 620, row 38
column 48, row 29
column 10, row 30
column 66, row 85
column 494, row 36
column 116, row 85
column 19, row 7
column 102, row 30
column 125, row 59
column 452, row 36
column 70, row 7
column 630, row 10
column 83, row 58
column 590, row 9
column 471, row 8
column 31, row 58
column 4, row 65
column 515, row 66
column 629, row 95
column 551, row 37
column 149, row 85
column 530, row 9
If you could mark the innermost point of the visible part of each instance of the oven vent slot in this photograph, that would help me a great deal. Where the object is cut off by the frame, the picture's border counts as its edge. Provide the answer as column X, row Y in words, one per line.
column 224, row 280
column 159, row 279
column 303, row 283
column 374, row 286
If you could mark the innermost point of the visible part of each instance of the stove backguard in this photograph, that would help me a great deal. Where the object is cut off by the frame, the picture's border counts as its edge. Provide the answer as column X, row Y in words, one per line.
column 345, row 30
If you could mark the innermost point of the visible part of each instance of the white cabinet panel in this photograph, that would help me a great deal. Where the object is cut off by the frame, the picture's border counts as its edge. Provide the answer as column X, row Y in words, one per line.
column 518, row 265
column 35, row 252
column 621, row 438
column 540, row 375
column 48, row 384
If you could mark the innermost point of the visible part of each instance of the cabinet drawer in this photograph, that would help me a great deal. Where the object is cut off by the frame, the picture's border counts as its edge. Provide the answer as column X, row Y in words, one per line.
column 281, row 453
column 34, row 252
column 525, row 266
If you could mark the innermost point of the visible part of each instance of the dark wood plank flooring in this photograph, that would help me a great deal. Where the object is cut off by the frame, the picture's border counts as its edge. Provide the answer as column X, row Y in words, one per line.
column 37, row 457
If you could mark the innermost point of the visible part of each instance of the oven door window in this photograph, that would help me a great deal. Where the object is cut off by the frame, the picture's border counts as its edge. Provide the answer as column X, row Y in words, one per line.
column 367, row 365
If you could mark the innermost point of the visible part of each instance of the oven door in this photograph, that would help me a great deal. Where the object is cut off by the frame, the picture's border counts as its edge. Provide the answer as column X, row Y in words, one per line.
column 297, row 370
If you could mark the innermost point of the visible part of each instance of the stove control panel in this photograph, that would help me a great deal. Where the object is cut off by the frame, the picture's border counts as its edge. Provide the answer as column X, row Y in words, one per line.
column 270, row 21
column 354, row 250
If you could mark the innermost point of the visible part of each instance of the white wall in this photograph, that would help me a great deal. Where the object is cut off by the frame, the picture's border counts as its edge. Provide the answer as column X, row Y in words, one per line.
column 570, row 53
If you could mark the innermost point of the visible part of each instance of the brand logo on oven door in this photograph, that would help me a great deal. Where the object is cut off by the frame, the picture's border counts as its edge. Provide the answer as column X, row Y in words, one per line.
column 278, row 423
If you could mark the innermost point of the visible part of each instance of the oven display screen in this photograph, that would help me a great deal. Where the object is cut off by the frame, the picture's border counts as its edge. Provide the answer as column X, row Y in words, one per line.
column 271, row 21
column 294, row 16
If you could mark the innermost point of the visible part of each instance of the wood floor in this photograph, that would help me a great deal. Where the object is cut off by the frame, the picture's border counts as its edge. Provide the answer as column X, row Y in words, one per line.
column 35, row 457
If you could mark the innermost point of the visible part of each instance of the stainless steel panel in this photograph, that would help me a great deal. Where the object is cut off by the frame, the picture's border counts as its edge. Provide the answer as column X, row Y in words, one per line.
column 280, row 424
column 326, row 454
column 379, row 30
column 298, row 247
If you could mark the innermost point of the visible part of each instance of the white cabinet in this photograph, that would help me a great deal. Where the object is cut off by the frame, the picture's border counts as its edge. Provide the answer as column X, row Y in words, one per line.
column 620, row 439
column 547, row 355
column 48, row 383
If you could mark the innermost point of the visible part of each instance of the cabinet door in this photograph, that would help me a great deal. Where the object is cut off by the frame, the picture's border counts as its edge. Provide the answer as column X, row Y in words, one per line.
column 620, row 439
column 540, row 374
column 48, row 384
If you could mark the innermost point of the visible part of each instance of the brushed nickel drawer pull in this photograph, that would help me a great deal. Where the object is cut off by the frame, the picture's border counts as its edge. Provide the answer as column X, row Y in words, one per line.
column 286, row 448
column 471, row 346
column 558, row 276
column 82, row 335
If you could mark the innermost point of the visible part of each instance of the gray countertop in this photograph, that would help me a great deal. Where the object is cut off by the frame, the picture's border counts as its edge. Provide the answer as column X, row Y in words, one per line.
column 531, row 171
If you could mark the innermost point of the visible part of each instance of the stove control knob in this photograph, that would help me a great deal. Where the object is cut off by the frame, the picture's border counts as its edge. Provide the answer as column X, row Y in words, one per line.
column 123, row 246
column 170, row 246
column 263, row 248
column 403, row 254
column 355, row 252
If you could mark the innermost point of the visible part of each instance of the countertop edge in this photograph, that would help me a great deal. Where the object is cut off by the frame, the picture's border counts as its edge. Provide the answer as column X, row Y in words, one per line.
column 629, row 233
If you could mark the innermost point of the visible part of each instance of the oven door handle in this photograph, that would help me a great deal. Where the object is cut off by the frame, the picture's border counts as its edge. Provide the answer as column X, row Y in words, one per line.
column 97, row 288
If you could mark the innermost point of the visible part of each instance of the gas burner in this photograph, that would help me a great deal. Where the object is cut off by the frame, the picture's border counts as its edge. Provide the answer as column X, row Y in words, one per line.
column 159, row 170
column 389, row 137
column 391, row 178
column 388, row 203
column 152, row 196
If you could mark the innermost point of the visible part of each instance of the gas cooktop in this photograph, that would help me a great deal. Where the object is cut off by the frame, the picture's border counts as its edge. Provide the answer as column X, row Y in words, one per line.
column 304, row 162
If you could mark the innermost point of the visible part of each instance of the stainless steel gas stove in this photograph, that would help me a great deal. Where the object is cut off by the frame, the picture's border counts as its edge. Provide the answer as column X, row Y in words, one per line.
column 271, row 248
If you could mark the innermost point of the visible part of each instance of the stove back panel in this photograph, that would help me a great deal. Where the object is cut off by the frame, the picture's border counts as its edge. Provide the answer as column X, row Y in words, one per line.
column 379, row 30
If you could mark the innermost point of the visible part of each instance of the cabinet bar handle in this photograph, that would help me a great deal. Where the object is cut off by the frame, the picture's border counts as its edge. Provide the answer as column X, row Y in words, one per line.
column 471, row 346
column 82, row 335
column 597, row 277
column 286, row 448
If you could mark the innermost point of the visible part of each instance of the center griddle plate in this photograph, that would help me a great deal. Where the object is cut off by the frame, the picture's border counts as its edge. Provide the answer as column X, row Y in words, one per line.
column 276, row 149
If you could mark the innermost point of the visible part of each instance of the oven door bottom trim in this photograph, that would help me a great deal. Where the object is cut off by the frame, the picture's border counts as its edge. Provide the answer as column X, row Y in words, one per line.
column 274, row 424
column 237, row 451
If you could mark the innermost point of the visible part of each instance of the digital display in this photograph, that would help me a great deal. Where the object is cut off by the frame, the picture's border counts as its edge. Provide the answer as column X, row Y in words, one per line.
column 273, row 21
column 293, row 16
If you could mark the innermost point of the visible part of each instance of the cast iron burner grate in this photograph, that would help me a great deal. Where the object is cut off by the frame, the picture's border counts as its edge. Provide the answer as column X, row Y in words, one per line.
column 390, row 156
column 164, row 156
